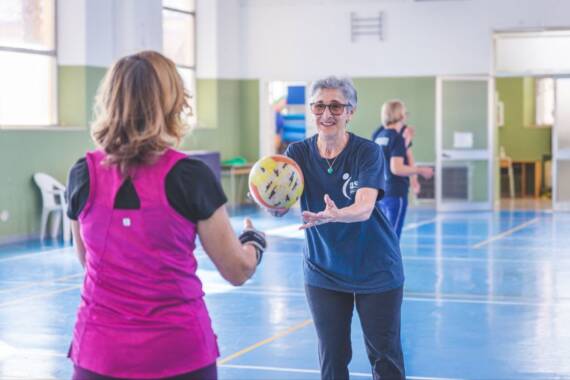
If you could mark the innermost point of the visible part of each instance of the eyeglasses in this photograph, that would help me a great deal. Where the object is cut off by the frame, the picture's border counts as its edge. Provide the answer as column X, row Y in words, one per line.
column 335, row 108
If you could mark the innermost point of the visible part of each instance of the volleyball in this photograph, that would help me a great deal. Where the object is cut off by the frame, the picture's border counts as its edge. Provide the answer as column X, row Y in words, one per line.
column 276, row 182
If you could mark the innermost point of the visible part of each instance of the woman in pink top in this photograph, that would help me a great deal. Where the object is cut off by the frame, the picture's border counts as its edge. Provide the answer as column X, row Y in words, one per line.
column 137, row 207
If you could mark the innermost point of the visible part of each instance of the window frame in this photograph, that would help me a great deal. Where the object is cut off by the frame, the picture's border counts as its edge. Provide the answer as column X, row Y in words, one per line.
column 537, row 100
column 193, row 15
column 194, row 118
column 55, row 98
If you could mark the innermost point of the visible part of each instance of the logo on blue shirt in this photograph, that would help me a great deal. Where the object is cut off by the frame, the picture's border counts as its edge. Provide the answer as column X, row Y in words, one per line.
column 382, row 141
column 349, row 188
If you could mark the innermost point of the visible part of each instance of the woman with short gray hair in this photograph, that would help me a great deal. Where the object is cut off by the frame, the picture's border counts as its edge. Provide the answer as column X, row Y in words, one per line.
column 352, row 256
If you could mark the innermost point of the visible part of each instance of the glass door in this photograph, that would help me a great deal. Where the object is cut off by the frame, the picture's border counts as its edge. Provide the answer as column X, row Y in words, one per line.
column 561, row 147
column 464, row 141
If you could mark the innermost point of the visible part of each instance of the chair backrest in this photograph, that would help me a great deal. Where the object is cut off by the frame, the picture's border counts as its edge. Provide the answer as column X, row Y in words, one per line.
column 51, row 189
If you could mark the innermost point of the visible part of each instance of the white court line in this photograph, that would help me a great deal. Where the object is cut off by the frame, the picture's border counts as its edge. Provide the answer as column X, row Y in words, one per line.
column 421, row 297
column 317, row 372
column 543, row 259
column 292, row 230
column 520, row 248
column 44, row 282
column 506, row 233
column 484, row 259
column 35, row 254
column 289, row 231
column 411, row 226
column 37, row 296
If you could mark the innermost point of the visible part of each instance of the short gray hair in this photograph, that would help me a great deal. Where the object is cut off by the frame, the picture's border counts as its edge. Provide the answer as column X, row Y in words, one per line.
column 345, row 85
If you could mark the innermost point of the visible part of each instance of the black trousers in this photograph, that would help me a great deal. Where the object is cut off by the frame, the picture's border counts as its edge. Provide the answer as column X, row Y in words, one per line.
column 380, row 320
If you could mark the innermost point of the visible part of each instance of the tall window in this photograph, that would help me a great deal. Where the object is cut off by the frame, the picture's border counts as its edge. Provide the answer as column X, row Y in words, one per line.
column 179, row 41
column 28, row 70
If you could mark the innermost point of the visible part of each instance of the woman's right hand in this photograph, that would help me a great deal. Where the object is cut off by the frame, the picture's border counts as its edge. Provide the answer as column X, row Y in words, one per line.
column 254, row 237
column 425, row 172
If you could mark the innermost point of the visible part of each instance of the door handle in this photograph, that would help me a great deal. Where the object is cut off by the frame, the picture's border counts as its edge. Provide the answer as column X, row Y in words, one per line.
column 445, row 155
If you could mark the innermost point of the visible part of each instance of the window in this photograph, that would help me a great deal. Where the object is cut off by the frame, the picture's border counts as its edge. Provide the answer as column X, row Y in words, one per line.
column 28, row 70
column 544, row 102
column 179, row 42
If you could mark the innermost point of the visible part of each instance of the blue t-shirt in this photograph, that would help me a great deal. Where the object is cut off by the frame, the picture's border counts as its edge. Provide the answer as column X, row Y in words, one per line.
column 360, row 257
column 393, row 145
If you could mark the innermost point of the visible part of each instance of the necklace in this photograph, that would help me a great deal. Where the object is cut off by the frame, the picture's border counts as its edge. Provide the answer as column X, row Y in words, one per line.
column 330, row 169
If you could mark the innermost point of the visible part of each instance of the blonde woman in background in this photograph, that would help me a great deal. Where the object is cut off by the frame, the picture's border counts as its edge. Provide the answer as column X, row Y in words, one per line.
column 398, row 165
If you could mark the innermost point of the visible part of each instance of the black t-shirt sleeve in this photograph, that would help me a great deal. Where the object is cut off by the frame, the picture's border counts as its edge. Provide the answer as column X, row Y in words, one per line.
column 77, row 190
column 193, row 190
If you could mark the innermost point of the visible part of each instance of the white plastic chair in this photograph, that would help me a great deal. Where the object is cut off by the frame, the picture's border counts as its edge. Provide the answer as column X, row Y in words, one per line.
column 53, row 200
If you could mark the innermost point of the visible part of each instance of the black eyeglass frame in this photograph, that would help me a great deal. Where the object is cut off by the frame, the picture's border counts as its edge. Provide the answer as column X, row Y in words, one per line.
column 344, row 105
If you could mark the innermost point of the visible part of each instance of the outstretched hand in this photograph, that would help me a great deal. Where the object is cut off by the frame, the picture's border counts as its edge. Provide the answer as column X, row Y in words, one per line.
column 329, row 214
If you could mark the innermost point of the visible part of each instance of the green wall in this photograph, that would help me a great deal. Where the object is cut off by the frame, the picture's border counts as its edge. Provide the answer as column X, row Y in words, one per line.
column 21, row 155
column 77, row 86
column 25, row 152
column 228, row 118
column 419, row 96
column 227, row 109
column 521, row 142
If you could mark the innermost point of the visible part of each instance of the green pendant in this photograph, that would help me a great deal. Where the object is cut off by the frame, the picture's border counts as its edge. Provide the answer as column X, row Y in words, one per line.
column 330, row 170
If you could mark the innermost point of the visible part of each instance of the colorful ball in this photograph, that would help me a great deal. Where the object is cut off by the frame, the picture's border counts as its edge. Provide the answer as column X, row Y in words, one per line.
column 276, row 182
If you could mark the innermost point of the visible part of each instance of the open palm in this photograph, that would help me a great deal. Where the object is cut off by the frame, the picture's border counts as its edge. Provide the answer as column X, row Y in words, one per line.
column 329, row 214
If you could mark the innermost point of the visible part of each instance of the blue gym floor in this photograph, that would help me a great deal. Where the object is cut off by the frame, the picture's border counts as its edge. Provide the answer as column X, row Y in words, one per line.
column 487, row 296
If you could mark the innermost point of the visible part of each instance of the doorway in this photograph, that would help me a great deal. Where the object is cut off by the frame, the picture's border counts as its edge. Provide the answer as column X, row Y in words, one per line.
column 464, row 141
column 538, row 60
column 525, row 116
column 283, row 119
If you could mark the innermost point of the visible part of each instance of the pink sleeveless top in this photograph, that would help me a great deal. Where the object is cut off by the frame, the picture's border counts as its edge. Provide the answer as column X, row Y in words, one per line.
column 142, row 313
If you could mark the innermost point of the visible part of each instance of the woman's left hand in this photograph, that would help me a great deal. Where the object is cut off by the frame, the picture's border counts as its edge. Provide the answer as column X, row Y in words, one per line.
column 329, row 214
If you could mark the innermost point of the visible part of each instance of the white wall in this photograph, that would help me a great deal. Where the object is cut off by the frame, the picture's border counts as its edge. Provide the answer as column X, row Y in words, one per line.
column 71, row 41
column 207, row 39
column 303, row 39
column 97, row 32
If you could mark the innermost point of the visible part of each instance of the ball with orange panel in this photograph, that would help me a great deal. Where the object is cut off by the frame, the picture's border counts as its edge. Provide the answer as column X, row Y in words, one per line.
column 276, row 182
